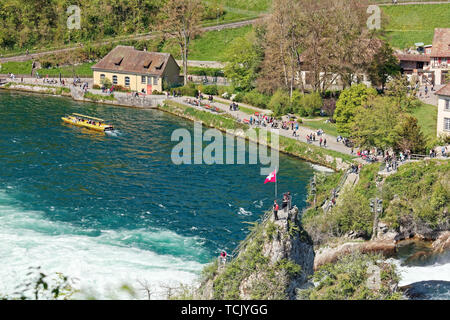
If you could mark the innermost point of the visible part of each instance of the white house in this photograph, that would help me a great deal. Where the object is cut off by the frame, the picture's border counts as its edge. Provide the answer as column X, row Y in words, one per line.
column 443, row 118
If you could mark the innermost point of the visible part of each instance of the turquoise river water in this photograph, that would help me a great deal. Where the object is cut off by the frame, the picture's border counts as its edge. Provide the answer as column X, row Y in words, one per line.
column 107, row 210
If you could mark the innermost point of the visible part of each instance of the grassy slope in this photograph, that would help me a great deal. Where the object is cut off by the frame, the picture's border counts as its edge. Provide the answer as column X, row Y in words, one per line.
column 329, row 128
column 210, row 46
column 415, row 23
column 82, row 70
column 426, row 115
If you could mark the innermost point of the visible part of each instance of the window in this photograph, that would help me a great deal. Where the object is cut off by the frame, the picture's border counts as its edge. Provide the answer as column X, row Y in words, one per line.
column 447, row 105
column 150, row 80
column 102, row 77
column 447, row 124
column 143, row 79
column 114, row 79
column 155, row 80
column 127, row 81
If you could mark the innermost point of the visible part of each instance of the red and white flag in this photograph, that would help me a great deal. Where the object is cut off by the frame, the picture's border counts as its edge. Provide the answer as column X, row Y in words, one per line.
column 271, row 177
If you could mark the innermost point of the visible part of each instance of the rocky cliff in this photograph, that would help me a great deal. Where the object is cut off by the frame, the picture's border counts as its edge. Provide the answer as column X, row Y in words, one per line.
column 273, row 261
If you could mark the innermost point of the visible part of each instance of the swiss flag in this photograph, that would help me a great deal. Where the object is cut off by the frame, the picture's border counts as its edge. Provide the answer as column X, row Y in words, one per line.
column 271, row 177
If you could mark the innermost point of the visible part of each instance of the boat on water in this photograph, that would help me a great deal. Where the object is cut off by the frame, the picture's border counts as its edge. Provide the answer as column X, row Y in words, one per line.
column 88, row 122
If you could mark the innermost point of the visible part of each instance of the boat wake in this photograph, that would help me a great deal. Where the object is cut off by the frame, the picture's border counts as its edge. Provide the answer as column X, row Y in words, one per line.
column 113, row 133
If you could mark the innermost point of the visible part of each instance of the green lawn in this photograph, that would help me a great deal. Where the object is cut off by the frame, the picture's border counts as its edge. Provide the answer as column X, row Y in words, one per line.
column 329, row 128
column 81, row 70
column 407, row 25
column 16, row 67
column 258, row 6
column 426, row 115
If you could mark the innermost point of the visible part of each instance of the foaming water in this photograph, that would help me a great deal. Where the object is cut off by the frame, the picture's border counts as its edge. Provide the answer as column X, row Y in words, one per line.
column 113, row 209
column 425, row 277
column 99, row 261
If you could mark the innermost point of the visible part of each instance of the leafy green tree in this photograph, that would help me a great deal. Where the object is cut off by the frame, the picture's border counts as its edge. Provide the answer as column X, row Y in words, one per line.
column 402, row 92
column 384, row 65
column 244, row 59
column 374, row 124
column 347, row 105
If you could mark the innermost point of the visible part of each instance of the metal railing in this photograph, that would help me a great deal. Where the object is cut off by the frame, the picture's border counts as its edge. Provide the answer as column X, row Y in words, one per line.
column 335, row 191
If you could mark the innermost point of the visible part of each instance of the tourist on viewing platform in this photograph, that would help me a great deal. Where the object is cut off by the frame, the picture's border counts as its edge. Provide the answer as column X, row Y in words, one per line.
column 275, row 209
column 223, row 257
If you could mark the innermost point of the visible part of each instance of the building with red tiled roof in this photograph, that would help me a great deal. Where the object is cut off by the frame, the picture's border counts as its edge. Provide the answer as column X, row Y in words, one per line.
column 440, row 54
column 139, row 71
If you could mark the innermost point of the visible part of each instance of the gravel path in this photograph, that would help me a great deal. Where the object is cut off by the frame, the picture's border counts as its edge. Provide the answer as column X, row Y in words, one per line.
column 332, row 144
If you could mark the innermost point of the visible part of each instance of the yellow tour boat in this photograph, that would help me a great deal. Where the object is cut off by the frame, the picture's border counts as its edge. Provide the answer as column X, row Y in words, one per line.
column 88, row 122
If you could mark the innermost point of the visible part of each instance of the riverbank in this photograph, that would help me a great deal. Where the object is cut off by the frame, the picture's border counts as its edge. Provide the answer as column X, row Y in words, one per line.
column 226, row 123
column 222, row 121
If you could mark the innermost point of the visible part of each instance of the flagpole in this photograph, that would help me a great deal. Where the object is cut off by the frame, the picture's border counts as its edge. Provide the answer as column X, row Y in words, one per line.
column 276, row 182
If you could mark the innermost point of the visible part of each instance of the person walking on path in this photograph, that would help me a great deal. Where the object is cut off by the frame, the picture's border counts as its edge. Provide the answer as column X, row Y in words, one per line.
column 325, row 142
column 275, row 209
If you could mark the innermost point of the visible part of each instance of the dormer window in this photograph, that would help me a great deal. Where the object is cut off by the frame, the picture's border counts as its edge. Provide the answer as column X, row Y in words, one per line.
column 158, row 67
column 118, row 61
column 147, row 64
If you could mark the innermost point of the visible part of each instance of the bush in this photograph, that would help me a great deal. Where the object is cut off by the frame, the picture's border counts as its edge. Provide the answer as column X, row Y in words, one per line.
column 188, row 90
column 279, row 103
column 121, row 88
column 106, row 83
column 312, row 103
column 46, row 64
column 96, row 86
column 210, row 90
column 239, row 97
column 256, row 99
column 347, row 279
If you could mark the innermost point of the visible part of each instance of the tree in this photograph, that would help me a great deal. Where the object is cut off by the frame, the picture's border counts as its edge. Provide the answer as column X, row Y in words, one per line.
column 384, row 65
column 181, row 19
column 410, row 136
column 350, row 100
column 374, row 124
column 401, row 91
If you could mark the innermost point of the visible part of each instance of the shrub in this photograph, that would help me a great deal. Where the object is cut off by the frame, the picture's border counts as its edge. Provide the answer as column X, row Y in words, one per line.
column 106, row 83
column 279, row 103
column 312, row 103
column 188, row 90
column 239, row 97
column 121, row 88
column 256, row 99
column 210, row 90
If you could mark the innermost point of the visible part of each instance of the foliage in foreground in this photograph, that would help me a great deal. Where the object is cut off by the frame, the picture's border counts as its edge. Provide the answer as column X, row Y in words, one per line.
column 350, row 279
column 38, row 286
